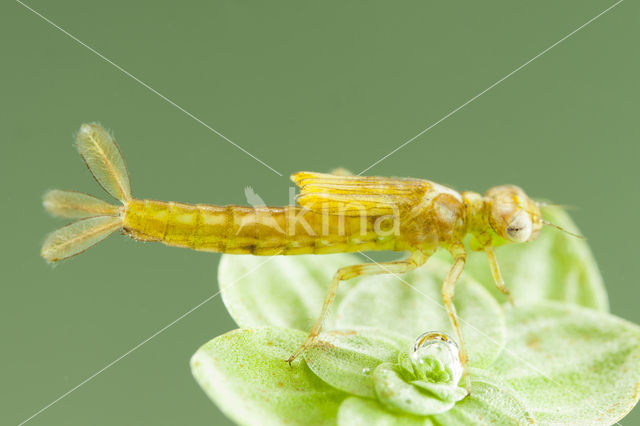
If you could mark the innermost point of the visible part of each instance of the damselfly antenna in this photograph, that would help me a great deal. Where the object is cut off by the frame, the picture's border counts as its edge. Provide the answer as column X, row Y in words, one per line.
column 560, row 228
column 547, row 203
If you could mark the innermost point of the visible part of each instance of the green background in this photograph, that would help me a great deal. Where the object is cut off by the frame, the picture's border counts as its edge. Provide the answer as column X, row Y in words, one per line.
column 302, row 86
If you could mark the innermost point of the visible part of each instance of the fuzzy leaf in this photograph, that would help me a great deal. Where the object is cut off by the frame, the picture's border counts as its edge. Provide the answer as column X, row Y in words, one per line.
column 556, row 266
column 396, row 390
column 442, row 391
column 287, row 292
column 488, row 404
column 356, row 411
column 415, row 306
column 347, row 359
column 245, row 374
column 571, row 365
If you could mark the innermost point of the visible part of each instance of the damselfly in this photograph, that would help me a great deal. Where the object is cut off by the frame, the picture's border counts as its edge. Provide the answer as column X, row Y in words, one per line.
column 335, row 213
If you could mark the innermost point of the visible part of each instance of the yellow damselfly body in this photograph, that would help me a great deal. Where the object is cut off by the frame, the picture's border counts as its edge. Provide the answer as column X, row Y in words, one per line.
column 335, row 213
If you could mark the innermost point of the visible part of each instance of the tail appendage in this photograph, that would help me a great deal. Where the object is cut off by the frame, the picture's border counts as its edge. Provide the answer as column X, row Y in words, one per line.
column 97, row 219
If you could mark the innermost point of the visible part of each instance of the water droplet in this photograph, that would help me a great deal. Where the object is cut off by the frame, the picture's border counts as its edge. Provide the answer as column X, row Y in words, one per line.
column 435, row 358
column 366, row 371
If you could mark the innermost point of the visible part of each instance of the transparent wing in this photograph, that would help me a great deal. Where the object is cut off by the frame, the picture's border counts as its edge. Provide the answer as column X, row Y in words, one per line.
column 357, row 195
column 76, row 204
column 102, row 155
column 78, row 236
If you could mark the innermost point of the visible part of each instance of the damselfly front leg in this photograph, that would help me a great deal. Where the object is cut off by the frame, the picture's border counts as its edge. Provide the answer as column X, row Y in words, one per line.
column 416, row 258
column 495, row 272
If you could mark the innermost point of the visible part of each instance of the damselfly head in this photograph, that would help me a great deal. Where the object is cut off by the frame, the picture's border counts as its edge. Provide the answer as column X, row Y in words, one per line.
column 512, row 214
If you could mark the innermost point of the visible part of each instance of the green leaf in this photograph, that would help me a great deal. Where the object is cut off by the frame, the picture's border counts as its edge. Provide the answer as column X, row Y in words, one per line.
column 283, row 291
column 413, row 305
column 556, row 266
column 558, row 363
column 442, row 391
column 570, row 364
column 245, row 374
column 347, row 359
column 356, row 411
column 398, row 392
column 489, row 403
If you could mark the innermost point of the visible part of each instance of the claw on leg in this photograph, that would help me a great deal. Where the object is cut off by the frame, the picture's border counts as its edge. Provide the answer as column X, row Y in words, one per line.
column 291, row 359
column 509, row 297
column 310, row 339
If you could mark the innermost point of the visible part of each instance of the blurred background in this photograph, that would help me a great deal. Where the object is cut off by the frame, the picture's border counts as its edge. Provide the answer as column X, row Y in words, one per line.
column 301, row 86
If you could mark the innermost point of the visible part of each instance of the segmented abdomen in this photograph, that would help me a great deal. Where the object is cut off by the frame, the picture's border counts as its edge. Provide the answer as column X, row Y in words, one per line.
column 256, row 230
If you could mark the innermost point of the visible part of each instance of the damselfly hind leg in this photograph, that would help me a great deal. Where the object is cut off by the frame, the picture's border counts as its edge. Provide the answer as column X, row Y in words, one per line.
column 416, row 259
column 448, row 291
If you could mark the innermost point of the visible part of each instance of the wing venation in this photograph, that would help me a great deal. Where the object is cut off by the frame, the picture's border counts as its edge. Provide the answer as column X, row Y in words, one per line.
column 358, row 195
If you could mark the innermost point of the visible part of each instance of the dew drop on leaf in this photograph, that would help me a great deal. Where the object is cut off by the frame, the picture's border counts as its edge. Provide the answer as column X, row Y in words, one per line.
column 435, row 358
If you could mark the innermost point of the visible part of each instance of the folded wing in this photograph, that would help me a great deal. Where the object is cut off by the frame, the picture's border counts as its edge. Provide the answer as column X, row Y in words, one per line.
column 358, row 195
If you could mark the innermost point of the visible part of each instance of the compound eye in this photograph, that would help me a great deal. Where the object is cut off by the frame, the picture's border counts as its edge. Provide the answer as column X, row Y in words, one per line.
column 519, row 229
